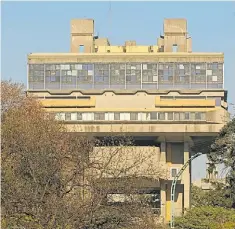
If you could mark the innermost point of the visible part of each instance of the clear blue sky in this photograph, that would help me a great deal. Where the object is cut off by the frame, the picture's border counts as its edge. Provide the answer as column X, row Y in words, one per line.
column 45, row 27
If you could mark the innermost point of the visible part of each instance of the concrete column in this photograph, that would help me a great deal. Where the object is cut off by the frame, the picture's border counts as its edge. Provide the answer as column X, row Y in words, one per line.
column 163, row 152
column 187, row 177
column 163, row 199
column 163, row 184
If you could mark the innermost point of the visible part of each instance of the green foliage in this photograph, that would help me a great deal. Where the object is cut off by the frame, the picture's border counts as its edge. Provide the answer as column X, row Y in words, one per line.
column 223, row 151
column 219, row 196
column 207, row 217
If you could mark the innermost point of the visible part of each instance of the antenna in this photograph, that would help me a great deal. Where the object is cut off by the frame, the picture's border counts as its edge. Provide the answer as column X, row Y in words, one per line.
column 110, row 19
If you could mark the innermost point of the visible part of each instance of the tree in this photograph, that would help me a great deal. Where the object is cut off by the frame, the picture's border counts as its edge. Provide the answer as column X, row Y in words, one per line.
column 222, row 151
column 207, row 217
column 215, row 197
column 55, row 179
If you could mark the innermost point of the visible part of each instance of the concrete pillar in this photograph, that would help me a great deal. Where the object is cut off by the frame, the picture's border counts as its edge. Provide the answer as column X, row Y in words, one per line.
column 163, row 185
column 187, row 177
column 163, row 199
column 163, row 152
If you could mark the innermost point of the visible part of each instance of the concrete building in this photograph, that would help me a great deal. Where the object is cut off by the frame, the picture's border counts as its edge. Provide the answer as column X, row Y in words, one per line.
column 163, row 95
column 212, row 177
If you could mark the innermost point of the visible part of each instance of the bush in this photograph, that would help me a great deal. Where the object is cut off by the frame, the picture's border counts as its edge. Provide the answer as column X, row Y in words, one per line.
column 207, row 217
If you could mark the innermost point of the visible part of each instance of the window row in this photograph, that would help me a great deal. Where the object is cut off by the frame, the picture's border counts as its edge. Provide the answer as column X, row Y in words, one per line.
column 150, row 72
column 130, row 116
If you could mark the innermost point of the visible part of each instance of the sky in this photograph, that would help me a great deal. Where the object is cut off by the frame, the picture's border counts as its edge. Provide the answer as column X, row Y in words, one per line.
column 29, row 27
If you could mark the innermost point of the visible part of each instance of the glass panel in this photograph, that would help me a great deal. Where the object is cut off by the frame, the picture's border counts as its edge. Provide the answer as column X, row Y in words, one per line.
column 170, row 116
column 198, row 75
column 52, row 77
column 182, row 116
column 214, row 75
column 149, row 73
column 79, row 116
column 85, row 74
column 68, row 76
column 67, row 116
column 173, row 172
column 117, row 75
column 153, row 115
column 36, row 76
column 186, row 115
column 116, row 116
column 73, row 116
column 176, row 116
column 192, row 116
column 100, row 116
column 198, row 116
column 165, row 74
column 101, row 76
column 182, row 75
column 133, row 75
column 161, row 116
column 203, row 116
column 133, row 116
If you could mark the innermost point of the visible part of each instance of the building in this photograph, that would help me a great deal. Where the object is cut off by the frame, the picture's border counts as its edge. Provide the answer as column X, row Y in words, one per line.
column 212, row 177
column 163, row 95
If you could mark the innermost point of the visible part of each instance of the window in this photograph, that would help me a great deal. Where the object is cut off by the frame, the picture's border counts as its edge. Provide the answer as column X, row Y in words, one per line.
column 176, row 116
column 192, row 116
column 214, row 78
column 170, row 116
column 153, row 115
column 198, row 116
column 209, row 72
column 101, row 73
column 109, row 116
column 133, row 116
column 68, row 116
column 106, row 116
column 116, row 116
column 140, row 116
column 81, row 48
column 88, row 116
column 218, row 101
column 100, row 116
column 124, row 116
column 117, row 75
column 133, row 74
column 175, row 48
column 79, row 116
column 182, row 116
column 174, row 172
column 78, row 66
column 161, row 116
column 149, row 72
column 147, row 116
column 203, row 116
column 73, row 116
column 186, row 115
column 52, row 78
